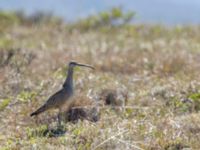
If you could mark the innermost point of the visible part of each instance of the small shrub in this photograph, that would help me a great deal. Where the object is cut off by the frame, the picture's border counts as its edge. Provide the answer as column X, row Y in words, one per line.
column 110, row 18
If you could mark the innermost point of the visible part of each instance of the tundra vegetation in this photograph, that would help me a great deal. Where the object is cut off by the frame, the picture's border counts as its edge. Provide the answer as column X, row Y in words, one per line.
column 155, row 67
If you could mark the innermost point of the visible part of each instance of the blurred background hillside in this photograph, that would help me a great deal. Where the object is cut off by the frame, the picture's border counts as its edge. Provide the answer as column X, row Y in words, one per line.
column 170, row 12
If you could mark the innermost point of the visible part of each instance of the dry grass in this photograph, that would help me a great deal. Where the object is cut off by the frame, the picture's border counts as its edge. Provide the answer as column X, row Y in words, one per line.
column 158, row 66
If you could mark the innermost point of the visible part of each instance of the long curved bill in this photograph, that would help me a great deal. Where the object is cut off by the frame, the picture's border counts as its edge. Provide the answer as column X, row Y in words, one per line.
column 84, row 65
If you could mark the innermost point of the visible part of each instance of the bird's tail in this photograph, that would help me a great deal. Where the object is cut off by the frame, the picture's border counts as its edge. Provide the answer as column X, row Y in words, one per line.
column 39, row 110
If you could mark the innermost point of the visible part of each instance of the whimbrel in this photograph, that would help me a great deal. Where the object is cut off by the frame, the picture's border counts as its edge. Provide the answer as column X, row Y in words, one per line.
column 62, row 99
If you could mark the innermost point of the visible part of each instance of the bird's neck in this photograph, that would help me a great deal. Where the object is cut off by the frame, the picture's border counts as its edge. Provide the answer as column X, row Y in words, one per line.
column 68, row 84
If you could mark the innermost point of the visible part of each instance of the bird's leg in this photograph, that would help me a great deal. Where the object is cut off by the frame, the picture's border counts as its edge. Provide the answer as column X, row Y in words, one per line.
column 59, row 119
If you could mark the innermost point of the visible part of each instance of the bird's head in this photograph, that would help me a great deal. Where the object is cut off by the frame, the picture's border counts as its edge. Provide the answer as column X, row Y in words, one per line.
column 73, row 64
